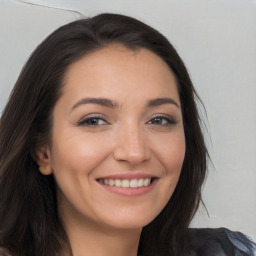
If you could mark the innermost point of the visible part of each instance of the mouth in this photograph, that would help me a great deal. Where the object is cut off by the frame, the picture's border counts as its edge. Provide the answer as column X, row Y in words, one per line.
column 127, row 183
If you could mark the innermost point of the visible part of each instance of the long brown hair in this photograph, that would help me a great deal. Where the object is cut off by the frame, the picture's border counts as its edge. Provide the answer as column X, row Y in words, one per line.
column 29, row 222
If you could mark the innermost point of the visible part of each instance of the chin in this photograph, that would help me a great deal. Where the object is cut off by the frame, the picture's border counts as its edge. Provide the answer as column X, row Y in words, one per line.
column 130, row 219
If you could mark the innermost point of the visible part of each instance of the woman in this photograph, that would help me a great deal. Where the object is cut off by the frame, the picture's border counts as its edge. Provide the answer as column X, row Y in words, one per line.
column 101, row 150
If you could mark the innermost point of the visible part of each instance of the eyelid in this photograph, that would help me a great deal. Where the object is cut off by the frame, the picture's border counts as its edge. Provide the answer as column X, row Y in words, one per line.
column 88, row 117
column 169, row 118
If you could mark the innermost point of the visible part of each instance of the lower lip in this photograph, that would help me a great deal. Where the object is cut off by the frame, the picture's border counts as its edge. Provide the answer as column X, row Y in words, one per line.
column 130, row 191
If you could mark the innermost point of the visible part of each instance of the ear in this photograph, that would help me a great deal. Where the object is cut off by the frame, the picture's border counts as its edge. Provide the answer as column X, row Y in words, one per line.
column 43, row 160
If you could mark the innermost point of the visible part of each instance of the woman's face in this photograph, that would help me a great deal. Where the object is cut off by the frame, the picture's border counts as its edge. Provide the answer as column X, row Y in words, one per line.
column 117, row 138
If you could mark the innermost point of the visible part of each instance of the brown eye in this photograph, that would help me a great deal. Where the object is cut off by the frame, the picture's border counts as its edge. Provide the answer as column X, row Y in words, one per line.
column 161, row 120
column 92, row 121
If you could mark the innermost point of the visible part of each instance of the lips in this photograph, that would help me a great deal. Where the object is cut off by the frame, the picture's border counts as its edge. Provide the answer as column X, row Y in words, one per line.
column 129, row 184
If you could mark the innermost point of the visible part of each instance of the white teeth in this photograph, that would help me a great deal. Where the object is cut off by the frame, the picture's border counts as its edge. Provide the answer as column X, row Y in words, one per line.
column 140, row 183
column 133, row 183
column 125, row 183
column 118, row 183
column 110, row 182
column 146, row 182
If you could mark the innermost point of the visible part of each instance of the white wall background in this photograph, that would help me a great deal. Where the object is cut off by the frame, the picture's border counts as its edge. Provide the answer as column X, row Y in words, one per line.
column 217, row 41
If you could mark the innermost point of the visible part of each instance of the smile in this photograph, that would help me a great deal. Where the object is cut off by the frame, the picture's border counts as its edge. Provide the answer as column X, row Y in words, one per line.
column 127, row 183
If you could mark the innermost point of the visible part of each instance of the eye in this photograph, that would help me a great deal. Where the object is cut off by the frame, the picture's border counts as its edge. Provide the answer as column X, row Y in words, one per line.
column 162, row 120
column 92, row 121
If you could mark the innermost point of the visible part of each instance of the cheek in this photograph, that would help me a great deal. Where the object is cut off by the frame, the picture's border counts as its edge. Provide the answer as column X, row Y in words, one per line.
column 174, row 157
column 171, row 152
column 78, row 152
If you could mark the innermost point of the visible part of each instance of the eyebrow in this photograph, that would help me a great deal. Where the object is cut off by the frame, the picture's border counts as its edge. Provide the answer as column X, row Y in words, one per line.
column 113, row 104
column 99, row 101
column 161, row 101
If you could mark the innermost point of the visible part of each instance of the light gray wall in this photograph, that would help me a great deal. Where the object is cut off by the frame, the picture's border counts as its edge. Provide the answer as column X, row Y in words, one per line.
column 217, row 41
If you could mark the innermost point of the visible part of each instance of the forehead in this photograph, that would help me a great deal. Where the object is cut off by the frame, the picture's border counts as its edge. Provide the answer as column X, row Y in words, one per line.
column 117, row 69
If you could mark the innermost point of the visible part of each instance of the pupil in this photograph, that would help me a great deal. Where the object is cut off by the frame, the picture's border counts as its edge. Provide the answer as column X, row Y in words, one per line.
column 157, row 120
column 93, row 121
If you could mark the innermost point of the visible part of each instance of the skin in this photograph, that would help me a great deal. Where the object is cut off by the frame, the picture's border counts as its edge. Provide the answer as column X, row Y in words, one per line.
column 128, row 138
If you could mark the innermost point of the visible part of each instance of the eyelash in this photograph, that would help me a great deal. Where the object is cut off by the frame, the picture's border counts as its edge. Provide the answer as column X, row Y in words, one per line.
column 85, row 121
column 169, row 120
column 96, row 118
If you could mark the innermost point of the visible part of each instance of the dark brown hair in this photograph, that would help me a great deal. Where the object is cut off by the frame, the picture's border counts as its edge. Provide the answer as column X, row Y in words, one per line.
column 29, row 222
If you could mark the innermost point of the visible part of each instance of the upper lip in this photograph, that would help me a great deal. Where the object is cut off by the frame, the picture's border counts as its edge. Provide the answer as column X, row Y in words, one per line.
column 129, row 176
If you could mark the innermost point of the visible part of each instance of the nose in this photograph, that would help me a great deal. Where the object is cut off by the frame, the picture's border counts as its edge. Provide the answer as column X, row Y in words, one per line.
column 131, row 145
